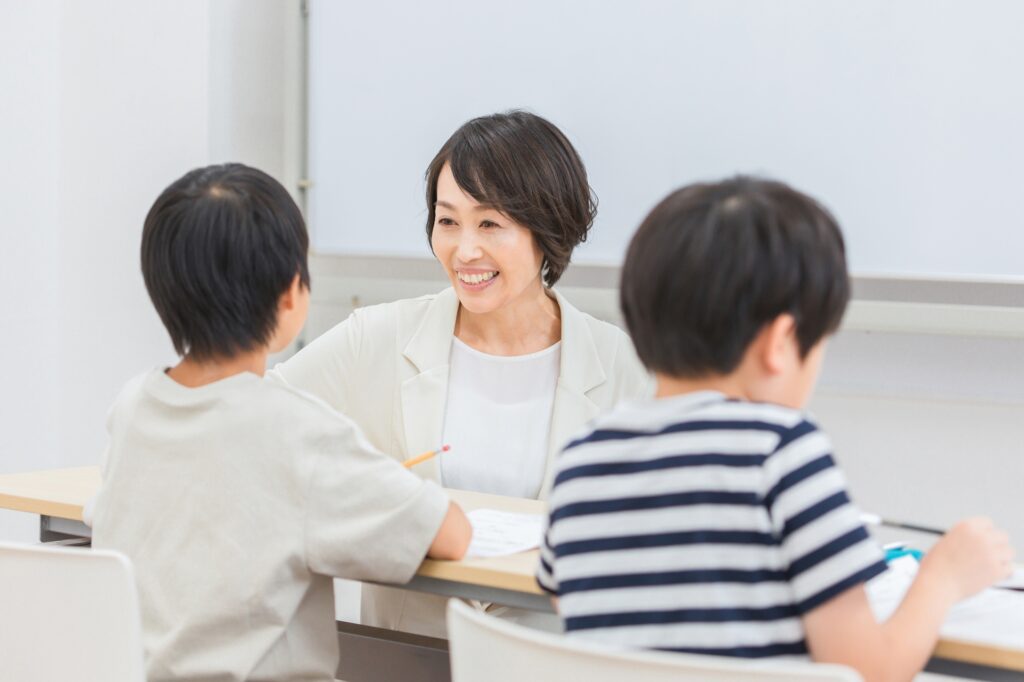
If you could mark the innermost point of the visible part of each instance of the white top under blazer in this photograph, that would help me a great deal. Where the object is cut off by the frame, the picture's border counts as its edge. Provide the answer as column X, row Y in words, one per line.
column 497, row 419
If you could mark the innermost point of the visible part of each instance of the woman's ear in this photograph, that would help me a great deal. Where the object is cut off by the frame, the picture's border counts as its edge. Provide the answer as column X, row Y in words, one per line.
column 778, row 344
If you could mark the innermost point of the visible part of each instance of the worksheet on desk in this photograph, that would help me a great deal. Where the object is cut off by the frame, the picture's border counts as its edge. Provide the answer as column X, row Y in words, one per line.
column 498, row 533
column 994, row 616
column 1015, row 581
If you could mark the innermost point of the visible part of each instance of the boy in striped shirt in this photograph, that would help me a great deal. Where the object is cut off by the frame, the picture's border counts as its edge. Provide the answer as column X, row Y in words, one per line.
column 713, row 519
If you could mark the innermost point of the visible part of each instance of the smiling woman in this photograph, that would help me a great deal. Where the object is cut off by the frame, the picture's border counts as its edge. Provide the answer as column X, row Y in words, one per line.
column 499, row 365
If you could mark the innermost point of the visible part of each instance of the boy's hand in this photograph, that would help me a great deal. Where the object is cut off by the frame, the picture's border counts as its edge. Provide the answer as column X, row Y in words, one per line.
column 973, row 555
column 970, row 557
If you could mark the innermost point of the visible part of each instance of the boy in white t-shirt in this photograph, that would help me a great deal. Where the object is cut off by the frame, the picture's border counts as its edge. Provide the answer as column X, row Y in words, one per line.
column 237, row 497
column 713, row 519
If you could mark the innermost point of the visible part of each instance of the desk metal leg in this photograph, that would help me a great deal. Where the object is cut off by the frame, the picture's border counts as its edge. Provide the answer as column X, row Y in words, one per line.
column 489, row 595
column 52, row 529
column 972, row 671
column 371, row 654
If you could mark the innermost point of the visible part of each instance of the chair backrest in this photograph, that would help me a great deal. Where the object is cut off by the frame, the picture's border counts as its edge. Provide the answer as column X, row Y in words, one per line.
column 486, row 648
column 68, row 614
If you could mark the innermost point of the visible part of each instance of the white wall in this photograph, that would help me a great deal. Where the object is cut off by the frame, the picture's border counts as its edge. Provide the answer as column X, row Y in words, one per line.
column 247, row 82
column 105, row 103
column 28, row 240
column 133, row 116
column 928, row 428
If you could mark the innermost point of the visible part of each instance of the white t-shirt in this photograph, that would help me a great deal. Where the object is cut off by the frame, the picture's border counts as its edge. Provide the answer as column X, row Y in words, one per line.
column 235, row 501
column 497, row 420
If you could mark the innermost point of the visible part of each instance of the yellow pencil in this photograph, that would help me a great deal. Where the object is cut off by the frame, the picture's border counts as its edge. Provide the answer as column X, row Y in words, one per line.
column 425, row 456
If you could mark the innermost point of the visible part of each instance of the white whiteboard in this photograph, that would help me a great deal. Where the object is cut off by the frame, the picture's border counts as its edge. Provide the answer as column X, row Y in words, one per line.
column 904, row 117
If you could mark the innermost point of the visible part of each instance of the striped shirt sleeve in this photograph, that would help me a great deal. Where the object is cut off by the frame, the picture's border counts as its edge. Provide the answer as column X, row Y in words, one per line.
column 825, row 546
column 545, row 568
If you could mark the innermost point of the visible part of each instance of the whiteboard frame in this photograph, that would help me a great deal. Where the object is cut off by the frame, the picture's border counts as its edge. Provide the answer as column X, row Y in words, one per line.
column 963, row 307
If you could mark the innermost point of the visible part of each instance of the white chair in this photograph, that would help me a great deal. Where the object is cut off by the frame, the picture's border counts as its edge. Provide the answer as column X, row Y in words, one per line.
column 68, row 614
column 484, row 648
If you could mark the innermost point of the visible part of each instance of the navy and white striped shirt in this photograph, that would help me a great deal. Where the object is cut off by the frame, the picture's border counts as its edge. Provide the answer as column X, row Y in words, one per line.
column 701, row 524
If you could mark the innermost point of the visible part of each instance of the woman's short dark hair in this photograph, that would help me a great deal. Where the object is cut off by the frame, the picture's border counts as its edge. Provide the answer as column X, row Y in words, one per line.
column 714, row 263
column 523, row 166
column 219, row 247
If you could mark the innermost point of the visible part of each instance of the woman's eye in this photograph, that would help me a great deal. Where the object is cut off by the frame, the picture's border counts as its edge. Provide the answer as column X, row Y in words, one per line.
column 447, row 222
column 489, row 224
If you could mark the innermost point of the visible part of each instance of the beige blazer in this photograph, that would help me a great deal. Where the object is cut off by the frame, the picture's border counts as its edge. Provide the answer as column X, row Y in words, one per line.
column 386, row 367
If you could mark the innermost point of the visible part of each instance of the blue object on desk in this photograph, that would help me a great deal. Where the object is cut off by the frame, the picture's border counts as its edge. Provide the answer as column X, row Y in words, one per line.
column 893, row 553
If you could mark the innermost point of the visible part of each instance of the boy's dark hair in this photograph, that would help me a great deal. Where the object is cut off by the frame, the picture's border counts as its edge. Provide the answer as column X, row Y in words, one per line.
column 523, row 166
column 219, row 247
column 714, row 263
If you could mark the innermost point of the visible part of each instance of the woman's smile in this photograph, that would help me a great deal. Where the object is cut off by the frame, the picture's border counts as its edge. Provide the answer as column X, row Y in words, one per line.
column 492, row 261
column 475, row 280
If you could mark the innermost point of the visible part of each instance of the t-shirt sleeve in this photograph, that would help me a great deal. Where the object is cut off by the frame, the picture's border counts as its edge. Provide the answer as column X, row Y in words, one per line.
column 826, row 547
column 545, row 568
column 367, row 518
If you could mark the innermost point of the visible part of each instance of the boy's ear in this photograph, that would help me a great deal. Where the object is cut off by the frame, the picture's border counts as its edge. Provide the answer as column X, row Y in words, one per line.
column 778, row 343
column 290, row 298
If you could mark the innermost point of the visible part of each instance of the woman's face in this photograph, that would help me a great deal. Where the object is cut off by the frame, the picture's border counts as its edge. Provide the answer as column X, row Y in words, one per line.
column 490, row 260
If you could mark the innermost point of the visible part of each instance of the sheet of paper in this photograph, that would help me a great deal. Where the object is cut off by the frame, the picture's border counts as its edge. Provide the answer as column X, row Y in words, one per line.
column 497, row 533
column 995, row 616
column 1015, row 581
column 885, row 592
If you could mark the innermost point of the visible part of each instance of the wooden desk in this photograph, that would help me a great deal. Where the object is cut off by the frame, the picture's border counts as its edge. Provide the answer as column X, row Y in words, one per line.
column 504, row 580
column 59, row 495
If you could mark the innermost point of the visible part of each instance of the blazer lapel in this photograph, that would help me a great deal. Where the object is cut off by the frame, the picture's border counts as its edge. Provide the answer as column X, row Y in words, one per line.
column 580, row 372
column 424, row 395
